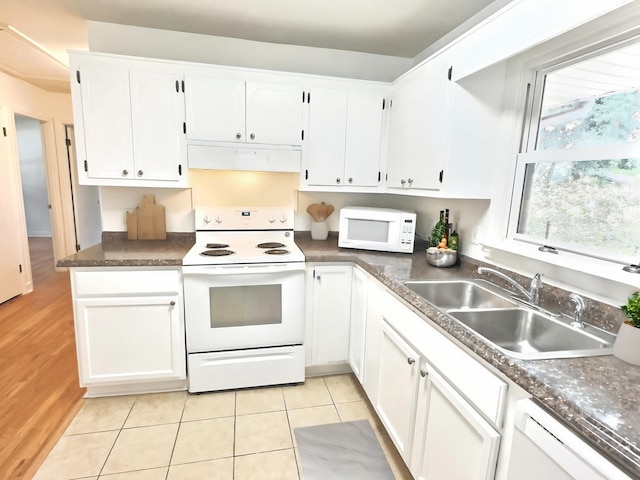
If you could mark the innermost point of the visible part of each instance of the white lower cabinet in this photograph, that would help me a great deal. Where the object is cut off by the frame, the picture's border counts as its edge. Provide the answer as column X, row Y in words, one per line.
column 397, row 388
column 357, row 325
column 129, row 329
column 328, row 313
column 451, row 439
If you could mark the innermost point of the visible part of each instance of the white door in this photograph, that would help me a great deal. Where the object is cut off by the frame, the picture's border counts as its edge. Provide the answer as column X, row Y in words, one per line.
column 429, row 127
column 157, row 110
column 86, row 202
column 357, row 328
column 397, row 389
column 106, row 114
column 130, row 338
column 274, row 114
column 403, row 113
column 452, row 440
column 11, row 219
column 364, row 134
column 326, row 137
column 331, row 312
column 215, row 109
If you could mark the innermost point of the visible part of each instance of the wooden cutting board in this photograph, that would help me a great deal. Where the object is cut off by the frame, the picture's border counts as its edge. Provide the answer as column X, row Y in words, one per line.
column 151, row 220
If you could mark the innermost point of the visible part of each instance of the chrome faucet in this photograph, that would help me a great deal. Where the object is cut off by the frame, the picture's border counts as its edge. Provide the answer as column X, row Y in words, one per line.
column 577, row 314
column 532, row 295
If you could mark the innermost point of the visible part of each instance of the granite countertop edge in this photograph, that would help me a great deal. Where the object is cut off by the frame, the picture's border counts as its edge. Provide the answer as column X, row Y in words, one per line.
column 545, row 380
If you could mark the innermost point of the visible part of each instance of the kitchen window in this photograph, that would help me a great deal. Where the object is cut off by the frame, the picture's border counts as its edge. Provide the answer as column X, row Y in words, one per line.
column 577, row 185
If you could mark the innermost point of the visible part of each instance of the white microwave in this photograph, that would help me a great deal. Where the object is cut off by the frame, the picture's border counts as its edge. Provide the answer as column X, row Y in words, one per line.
column 382, row 229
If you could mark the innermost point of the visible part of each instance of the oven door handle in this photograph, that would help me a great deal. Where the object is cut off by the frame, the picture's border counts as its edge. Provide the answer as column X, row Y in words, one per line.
column 252, row 268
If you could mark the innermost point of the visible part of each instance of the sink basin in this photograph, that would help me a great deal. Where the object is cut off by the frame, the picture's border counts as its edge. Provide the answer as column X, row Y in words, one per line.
column 528, row 334
column 459, row 294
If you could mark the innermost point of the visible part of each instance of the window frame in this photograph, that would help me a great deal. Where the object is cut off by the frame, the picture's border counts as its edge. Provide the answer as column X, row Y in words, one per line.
column 527, row 153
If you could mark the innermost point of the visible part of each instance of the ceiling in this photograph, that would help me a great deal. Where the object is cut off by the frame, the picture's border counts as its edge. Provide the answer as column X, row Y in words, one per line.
column 399, row 28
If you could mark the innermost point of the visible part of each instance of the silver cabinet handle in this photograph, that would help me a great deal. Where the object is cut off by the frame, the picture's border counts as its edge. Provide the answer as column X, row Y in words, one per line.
column 318, row 277
column 411, row 361
column 402, row 182
column 350, row 179
column 140, row 172
column 172, row 303
column 252, row 136
column 238, row 136
column 423, row 373
column 410, row 181
column 125, row 173
column 338, row 180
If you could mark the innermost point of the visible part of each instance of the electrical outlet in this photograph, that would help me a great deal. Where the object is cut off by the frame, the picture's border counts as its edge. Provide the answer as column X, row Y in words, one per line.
column 475, row 234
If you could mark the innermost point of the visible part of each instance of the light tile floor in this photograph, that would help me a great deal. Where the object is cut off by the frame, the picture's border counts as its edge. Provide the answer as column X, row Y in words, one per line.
column 237, row 435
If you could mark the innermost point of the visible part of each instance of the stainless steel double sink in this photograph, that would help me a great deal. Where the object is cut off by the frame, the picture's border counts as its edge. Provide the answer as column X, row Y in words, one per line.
column 513, row 328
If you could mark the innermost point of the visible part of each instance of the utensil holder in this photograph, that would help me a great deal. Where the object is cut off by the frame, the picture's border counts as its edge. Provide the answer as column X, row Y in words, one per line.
column 319, row 231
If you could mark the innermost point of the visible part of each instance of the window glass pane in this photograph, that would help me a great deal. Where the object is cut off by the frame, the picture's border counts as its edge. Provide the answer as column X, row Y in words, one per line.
column 592, row 103
column 589, row 204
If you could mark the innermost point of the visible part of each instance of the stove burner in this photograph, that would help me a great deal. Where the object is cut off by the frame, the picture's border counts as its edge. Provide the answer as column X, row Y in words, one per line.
column 216, row 245
column 270, row 245
column 277, row 251
column 217, row 253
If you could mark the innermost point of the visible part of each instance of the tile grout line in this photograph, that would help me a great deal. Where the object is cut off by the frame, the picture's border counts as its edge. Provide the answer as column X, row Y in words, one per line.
column 175, row 441
column 118, row 436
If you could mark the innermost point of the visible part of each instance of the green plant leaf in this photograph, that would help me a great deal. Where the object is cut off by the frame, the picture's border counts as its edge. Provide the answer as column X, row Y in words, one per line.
column 632, row 309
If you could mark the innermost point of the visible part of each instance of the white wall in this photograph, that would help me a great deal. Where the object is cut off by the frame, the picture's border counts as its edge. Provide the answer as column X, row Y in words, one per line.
column 34, row 176
column 190, row 47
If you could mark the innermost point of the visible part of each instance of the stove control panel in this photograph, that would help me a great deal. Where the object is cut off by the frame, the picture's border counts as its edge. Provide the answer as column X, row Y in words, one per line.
column 244, row 218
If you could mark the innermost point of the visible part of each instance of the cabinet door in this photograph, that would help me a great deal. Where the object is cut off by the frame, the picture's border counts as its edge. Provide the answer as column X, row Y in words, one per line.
column 364, row 134
column 404, row 111
column 451, row 439
column 397, row 389
column 215, row 109
column 123, row 339
column 331, row 311
column 418, row 125
column 357, row 328
column 106, row 117
column 274, row 114
column 376, row 297
column 325, row 149
column 430, row 121
column 157, row 111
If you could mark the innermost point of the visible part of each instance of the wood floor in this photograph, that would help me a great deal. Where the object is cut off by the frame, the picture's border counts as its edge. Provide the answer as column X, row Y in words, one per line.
column 39, row 390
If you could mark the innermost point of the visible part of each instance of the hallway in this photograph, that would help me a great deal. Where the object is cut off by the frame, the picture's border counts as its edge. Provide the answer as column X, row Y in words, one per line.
column 39, row 379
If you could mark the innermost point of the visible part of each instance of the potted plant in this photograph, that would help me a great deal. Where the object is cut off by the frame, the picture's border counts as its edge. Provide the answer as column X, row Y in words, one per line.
column 627, row 344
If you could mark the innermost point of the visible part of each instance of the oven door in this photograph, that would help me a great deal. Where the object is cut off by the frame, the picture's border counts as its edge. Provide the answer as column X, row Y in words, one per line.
column 243, row 306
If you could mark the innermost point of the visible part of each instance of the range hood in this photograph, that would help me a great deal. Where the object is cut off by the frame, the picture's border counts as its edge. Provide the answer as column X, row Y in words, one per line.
column 261, row 158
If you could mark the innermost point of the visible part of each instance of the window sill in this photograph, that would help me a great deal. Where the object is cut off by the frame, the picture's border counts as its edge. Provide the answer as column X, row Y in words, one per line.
column 566, row 260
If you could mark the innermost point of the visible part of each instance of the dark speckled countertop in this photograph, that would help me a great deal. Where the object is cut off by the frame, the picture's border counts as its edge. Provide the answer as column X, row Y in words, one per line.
column 595, row 396
column 116, row 251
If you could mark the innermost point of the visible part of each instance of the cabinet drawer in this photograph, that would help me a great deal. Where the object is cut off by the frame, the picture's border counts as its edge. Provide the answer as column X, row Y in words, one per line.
column 481, row 387
column 125, row 282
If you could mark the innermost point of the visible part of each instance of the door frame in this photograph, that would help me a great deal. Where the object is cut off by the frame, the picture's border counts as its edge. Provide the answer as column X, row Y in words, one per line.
column 58, row 189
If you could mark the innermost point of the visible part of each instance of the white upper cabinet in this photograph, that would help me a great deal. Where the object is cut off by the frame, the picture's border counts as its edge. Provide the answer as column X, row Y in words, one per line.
column 344, row 137
column 274, row 114
column 229, row 110
column 129, row 119
column 215, row 109
column 417, row 127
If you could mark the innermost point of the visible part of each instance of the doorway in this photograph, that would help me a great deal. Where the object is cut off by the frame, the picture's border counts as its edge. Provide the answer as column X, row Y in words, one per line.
column 35, row 195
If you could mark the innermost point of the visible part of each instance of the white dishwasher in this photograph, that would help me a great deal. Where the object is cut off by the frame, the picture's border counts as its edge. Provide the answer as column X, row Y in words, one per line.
column 543, row 448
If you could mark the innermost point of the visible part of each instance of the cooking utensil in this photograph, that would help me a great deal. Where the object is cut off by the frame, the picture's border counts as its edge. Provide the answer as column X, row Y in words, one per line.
column 313, row 210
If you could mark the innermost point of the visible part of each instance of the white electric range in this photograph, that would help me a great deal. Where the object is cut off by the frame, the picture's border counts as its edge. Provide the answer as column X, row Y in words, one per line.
column 244, row 299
